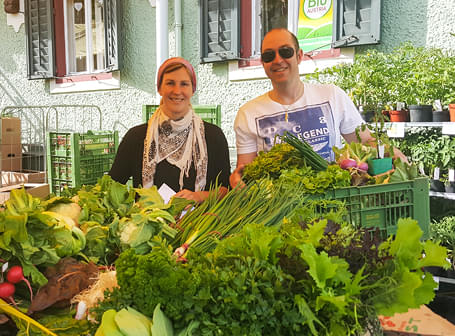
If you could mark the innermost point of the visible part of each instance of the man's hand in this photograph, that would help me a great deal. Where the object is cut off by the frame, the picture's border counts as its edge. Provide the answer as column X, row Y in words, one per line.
column 242, row 161
column 236, row 176
column 197, row 196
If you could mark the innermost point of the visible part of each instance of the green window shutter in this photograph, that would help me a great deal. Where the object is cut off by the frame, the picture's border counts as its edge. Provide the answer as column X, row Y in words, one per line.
column 112, row 17
column 220, row 30
column 39, row 27
column 356, row 22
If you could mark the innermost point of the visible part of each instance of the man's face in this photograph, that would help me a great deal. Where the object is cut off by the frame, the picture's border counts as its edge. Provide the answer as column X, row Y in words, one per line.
column 280, row 69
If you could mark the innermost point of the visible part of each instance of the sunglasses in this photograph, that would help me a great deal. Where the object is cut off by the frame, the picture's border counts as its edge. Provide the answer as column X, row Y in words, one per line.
column 269, row 55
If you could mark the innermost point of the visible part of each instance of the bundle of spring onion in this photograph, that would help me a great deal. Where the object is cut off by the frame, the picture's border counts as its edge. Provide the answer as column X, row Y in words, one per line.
column 261, row 202
column 306, row 151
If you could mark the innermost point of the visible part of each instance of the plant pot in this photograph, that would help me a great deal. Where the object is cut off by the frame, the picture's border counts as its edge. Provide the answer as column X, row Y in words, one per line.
column 368, row 116
column 421, row 113
column 398, row 116
column 452, row 112
column 379, row 166
column 437, row 185
column 450, row 188
column 441, row 116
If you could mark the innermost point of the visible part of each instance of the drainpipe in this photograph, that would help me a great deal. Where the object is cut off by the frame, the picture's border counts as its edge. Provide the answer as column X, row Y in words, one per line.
column 178, row 27
column 162, row 38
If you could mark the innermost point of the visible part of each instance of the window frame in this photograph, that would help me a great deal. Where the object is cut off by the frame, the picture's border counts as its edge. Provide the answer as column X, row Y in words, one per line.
column 55, row 46
column 247, row 57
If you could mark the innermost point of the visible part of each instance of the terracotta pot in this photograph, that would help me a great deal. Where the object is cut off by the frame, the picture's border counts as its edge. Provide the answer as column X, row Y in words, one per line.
column 452, row 112
column 398, row 116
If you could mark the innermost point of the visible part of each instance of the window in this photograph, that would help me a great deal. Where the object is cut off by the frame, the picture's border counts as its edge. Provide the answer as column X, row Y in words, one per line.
column 234, row 29
column 74, row 40
column 84, row 28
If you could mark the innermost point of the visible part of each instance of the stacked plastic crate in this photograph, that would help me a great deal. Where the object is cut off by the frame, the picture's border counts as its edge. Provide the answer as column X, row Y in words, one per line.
column 380, row 206
column 76, row 159
column 208, row 113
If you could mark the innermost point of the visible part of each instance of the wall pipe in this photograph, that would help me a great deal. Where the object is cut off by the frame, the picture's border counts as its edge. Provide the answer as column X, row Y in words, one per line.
column 162, row 38
column 178, row 27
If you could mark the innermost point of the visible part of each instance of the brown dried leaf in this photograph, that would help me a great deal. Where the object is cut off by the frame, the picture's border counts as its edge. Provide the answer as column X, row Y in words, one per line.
column 66, row 279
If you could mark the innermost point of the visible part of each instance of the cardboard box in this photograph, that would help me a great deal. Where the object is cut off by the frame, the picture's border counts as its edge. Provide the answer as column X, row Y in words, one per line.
column 11, row 157
column 10, row 130
column 13, row 164
column 417, row 322
column 11, row 178
column 8, row 151
column 40, row 190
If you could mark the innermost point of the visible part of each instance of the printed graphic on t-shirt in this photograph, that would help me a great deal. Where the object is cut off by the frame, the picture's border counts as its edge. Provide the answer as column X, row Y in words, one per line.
column 312, row 123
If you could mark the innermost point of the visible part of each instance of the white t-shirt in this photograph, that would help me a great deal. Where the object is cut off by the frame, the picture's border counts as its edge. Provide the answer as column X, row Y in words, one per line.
column 320, row 116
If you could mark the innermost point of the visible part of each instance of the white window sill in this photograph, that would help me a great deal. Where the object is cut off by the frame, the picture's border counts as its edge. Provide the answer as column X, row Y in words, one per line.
column 86, row 86
column 305, row 67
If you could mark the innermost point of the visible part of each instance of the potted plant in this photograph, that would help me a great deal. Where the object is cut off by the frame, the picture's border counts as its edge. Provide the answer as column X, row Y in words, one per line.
column 384, row 148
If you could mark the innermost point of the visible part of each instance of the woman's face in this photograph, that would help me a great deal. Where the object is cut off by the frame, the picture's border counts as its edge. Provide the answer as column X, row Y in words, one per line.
column 176, row 91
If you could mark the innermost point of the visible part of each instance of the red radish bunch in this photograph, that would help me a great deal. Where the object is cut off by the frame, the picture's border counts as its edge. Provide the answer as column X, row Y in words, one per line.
column 351, row 163
column 14, row 276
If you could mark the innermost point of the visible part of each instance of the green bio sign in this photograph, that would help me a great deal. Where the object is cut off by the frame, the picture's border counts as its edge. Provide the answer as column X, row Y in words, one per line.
column 315, row 24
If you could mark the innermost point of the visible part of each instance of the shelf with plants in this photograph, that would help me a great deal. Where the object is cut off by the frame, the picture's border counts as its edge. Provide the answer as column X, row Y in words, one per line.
column 378, row 81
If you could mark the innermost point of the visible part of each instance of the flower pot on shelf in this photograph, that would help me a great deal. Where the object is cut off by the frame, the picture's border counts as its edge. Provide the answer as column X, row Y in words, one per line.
column 452, row 112
column 368, row 116
column 450, row 188
column 398, row 116
column 379, row 166
column 441, row 116
column 421, row 113
column 437, row 185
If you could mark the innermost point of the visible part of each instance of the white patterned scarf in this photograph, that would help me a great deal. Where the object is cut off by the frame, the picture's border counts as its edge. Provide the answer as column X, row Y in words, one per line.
column 179, row 142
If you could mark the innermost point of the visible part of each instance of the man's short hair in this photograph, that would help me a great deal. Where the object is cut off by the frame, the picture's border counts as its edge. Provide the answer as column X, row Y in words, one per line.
column 294, row 38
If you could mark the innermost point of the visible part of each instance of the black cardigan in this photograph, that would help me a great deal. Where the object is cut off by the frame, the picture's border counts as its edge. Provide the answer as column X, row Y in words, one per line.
column 128, row 161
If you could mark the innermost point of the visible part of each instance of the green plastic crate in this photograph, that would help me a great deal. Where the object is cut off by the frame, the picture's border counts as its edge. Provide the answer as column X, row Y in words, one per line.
column 380, row 206
column 208, row 113
column 75, row 159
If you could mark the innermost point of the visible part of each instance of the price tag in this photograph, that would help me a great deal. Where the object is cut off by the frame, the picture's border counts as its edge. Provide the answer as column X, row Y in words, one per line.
column 436, row 173
column 381, row 151
column 451, row 175
column 437, row 105
column 396, row 130
column 422, row 172
column 448, row 128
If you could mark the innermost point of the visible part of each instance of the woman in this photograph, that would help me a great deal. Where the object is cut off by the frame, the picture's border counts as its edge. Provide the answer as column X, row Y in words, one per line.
column 176, row 146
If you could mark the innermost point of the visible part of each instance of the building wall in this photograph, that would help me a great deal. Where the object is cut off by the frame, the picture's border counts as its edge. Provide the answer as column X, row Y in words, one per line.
column 423, row 22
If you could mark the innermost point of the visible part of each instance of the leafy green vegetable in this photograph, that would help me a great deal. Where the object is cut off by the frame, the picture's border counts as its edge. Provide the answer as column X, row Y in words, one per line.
column 403, row 171
column 34, row 238
column 161, row 324
column 270, row 164
column 307, row 278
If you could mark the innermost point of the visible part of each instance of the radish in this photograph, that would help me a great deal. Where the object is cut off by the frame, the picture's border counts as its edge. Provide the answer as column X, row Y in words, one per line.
column 7, row 291
column 363, row 166
column 348, row 163
column 16, row 275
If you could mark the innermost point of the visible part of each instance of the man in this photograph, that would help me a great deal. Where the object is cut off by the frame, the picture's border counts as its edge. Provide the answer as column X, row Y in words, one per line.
column 320, row 113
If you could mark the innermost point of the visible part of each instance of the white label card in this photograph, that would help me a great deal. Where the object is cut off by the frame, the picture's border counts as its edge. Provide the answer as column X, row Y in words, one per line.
column 381, row 151
column 422, row 171
column 166, row 192
column 451, row 175
column 436, row 173
column 396, row 130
